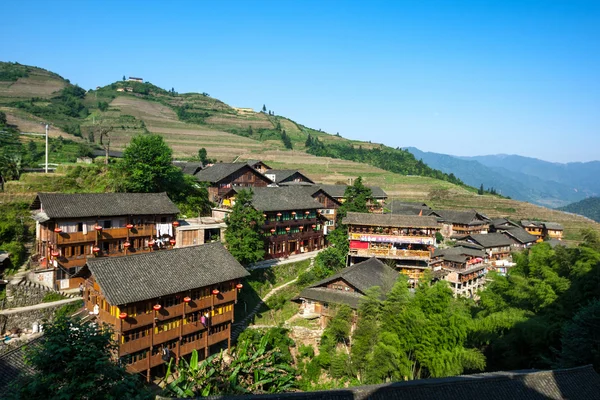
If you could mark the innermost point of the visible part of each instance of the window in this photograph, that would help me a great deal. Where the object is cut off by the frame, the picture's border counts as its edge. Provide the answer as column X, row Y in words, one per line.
column 80, row 227
column 107, row 224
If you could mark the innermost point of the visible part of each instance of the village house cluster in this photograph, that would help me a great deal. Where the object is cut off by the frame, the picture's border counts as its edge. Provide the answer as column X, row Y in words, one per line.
column 168, row 286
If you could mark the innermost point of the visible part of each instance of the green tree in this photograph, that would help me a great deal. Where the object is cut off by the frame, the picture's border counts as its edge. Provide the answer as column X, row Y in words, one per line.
column 580, row 338
column 481, row 191
column 147, row 166
column 244, row 234
column 253, row 367
column 2, row 118
column 264, row 109
column 287, row 142
column 357, row 197
column 124, row 78
column 102, row 105
column 74, row 361
column 202, row 154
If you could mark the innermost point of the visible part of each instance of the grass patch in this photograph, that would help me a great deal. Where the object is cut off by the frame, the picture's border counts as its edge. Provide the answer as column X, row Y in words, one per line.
column 52, row 296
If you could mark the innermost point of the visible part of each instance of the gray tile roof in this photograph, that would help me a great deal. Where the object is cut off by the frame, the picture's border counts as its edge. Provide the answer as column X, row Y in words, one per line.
column 402, row 208
column 351, row 299
column 459, row 250
column 519, row 234
column 470, row 217
column 362, row 276
column 12, row 364
column 62, row 205
column 503, row 222
column 338, row 191
column 410, row 221
column 188, row 167
column 491, row 239
column 219, row 171
column 553, row 226
column 537, row 224
column 581, row 383
column 286, row 198
column 281, row 175
column 129, row 279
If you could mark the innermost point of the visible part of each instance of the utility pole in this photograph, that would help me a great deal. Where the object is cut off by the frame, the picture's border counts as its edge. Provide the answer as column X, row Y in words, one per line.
column 46, row 148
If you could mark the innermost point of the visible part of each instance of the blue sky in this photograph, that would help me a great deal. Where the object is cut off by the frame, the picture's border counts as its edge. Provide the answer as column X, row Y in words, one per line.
column 456, row 77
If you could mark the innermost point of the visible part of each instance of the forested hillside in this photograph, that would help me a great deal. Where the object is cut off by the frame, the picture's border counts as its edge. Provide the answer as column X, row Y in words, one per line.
column 589, row 207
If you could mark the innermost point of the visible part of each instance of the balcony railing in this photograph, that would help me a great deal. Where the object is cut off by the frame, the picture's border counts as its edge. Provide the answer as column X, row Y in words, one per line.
column 291, row 222
column 218, row 337
column 134, row 345
column 188, row 347
column 165, row 336
column 392, row 253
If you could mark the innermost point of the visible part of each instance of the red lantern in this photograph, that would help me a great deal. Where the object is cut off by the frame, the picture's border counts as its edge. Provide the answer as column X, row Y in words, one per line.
column 293, row 212
column 157, row 307
column 172, row 241
column 287, row 229
column 151, row 243
column 175, row 224
column 187, row 299
column 98, row 228
column 129, row 226
column 279, row 214
column 127, row 245
column 273, row 230
column 306, row 212
column 123, row 315
column 301, row 227
column 215, row 292
column 264, row 215
column 239, row 286
column 96, row 249
column 57, row 230
column 55, row 254
column 314, row 226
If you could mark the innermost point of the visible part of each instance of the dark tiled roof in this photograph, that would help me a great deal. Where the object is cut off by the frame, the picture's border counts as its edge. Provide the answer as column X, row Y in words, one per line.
column 351, row 299
column 462, row 243
column 581, row 383
column 491, row 239
column 111, row 153
column 188, row 167
column 338, row 191
column 139, row 277
column 287, row 198
column 364, row 275
column 281, row 175
column 408, row 221
column 470, row 217
column 253, row 163
column 519, row 234
column 526, row 222
column 402, row 208
column 555, row 242
column 12, row 364
column 459, row 250
column 502, row 222
column 62, row 205
column 219, row 171
column 553, row 226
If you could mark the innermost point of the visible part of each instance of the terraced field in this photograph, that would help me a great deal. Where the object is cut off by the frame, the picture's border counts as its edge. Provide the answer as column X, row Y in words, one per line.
column 132, row 114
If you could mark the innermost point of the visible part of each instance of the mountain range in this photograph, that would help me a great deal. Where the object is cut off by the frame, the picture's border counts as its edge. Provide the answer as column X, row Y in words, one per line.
column 522, row 178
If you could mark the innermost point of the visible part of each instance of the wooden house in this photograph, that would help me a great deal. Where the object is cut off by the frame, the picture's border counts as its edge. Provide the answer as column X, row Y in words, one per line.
column 457, row 224
column 347, row 287
column 406, row 240
column 281, row 176
column 189, row 167
column 165, row 304
column 222, row 177
column 553, row 230
column 404, row 208
column 464, row 268
column 71, row 228
column 376, row 205
column 292, row 222
column 520, row 237
column 258, row 165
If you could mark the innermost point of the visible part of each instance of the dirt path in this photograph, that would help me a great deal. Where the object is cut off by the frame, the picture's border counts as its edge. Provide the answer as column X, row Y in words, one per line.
column 238, row 327
column 40, row 306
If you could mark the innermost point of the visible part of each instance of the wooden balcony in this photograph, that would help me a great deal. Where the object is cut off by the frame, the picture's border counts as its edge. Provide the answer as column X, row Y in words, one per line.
column 392, row 253
column 218, row 337
column 195, row 345
column 225, row 297
column 290, row 222
column 219, row 319
column 75, row 237
column 139, row 320
column 169, row 312
column 162, row 337
column 310, row 234
column 138, row 366
column 134, row 345
column 197, row 305
column 193, row 327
